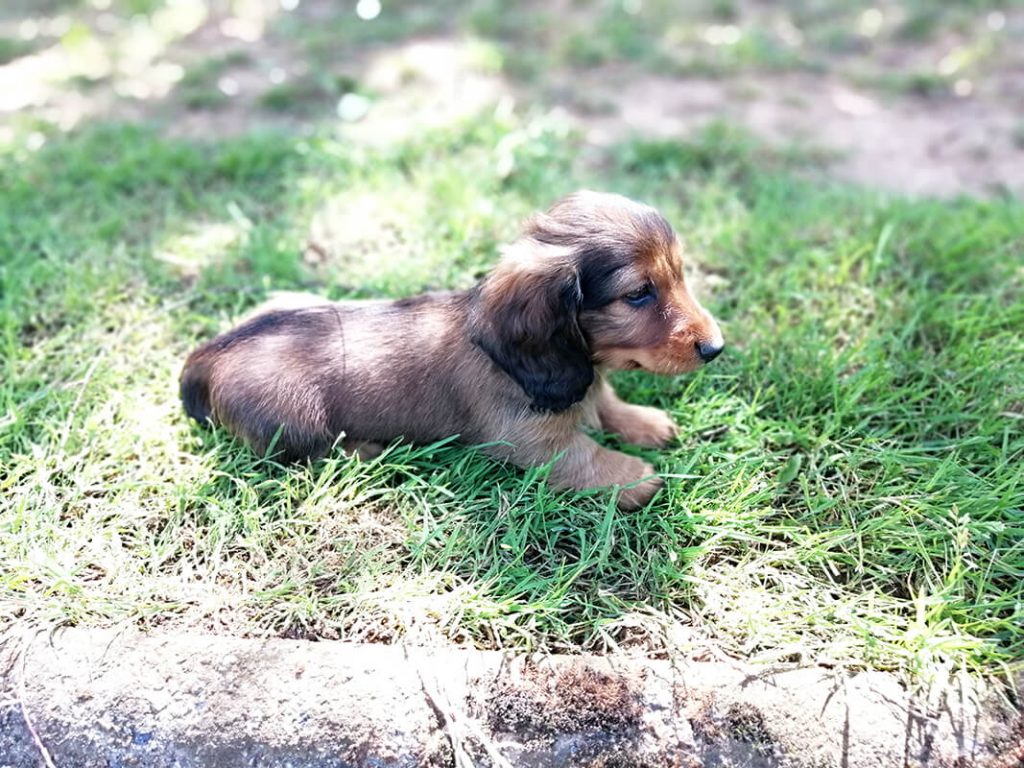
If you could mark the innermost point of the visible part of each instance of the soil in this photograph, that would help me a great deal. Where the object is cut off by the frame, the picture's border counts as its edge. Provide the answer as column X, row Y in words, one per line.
column 925, row 146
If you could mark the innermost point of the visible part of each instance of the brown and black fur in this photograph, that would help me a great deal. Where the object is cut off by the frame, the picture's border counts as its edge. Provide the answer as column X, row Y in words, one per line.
column 518, row 362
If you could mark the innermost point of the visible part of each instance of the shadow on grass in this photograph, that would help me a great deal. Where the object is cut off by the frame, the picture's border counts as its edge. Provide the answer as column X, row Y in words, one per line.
column 461, row 548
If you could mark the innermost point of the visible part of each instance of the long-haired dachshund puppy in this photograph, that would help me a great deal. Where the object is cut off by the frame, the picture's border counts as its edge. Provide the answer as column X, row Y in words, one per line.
column 517, row 362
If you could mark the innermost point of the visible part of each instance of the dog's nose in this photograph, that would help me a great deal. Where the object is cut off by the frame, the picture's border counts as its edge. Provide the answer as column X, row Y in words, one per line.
column 708, row 351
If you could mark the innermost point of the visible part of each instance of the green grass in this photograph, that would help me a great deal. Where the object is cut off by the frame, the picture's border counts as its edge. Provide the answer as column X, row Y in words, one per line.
column 12, row 48
column 925, row 84
column 847, row 487
column 199, row 88
column 302, row 94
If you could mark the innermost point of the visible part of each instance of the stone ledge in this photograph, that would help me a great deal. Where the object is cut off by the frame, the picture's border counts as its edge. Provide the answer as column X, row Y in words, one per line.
column 97, row 698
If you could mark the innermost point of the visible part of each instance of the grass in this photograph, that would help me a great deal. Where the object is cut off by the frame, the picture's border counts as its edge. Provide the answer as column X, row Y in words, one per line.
column 199, row 88
column 847, row 487
column 720, row 38
column 925, row 84
column 298, row 95
column 12, row 48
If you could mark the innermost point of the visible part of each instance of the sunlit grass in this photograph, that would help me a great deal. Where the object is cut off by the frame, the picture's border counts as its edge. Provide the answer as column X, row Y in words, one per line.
column 846, row 488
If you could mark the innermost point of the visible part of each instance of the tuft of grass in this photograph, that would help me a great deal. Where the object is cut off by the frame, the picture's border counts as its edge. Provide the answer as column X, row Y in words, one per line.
column 1018, row 136
column 12, row 48
column 302, row 94
column 921, row 25
column 199, row 87
column 716, row 148
column 847, row 486
column 925, row 84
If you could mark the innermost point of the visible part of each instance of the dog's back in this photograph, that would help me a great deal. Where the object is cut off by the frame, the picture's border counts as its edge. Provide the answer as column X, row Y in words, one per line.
column 295, row 379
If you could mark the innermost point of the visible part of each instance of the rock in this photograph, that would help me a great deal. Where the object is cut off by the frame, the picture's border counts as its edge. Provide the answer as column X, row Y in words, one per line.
column 99, row 699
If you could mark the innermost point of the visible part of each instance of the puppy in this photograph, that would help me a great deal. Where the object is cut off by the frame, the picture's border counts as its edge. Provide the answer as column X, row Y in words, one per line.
column 518, row 362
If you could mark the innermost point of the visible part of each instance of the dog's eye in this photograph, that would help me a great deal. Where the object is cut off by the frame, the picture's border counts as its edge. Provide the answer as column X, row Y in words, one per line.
column 640, row 296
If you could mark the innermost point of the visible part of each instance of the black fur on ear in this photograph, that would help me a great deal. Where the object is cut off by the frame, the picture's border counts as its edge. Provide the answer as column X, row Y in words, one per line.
column 525, row 317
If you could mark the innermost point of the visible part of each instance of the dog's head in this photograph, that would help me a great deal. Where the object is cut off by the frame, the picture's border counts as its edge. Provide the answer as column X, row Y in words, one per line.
column 597, row 280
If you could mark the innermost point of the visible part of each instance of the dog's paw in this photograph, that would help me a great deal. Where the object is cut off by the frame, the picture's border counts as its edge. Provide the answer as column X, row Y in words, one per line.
column 637, row 494
column 650, row 427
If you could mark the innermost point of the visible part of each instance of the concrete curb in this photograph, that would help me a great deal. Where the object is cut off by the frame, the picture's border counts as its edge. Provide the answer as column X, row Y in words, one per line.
column 96, row 698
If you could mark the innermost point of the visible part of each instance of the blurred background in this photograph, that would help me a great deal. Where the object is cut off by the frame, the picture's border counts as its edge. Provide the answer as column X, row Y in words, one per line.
column 917, row 96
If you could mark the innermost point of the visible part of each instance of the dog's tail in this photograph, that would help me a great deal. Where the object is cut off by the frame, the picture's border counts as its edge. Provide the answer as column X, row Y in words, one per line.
column 195, row 387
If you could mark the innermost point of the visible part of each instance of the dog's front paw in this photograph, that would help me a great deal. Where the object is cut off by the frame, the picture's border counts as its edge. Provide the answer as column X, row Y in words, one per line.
column 650, row 427
column 637, row 494
column 586, row 465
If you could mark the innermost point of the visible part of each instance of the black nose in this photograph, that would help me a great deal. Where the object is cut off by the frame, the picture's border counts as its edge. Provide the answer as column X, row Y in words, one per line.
column 709, row 351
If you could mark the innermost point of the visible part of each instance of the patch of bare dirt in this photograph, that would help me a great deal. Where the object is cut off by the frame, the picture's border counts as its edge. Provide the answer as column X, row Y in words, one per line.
column 934, row 146
column 547, row 701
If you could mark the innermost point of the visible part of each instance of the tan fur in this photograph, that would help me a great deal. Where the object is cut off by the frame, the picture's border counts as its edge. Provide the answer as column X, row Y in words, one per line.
column 637, row 424
column 516, row 364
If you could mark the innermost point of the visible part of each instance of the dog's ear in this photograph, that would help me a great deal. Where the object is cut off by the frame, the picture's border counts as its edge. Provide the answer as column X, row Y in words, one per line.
column 525, row 317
